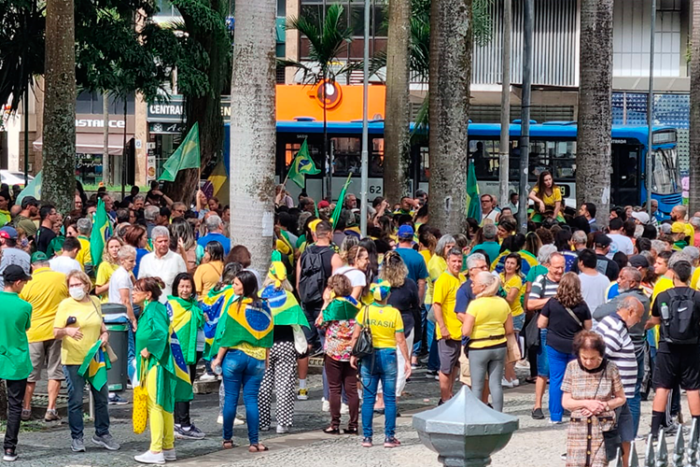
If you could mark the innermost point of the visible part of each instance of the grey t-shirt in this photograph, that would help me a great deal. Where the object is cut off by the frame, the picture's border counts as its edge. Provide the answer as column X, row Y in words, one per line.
column 17, row 257
column 593, row 289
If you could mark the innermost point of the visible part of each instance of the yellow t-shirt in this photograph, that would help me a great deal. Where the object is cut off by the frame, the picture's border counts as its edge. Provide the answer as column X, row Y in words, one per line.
column 427, row 255
column 88, row 317
column 490, row 315
column 384, row 322
column 663, row 283
column 694, row 280
column 445, row 294
column 207, row 276
column 44, row 292
column 549, row 200
column 104, row 273
column 436, row 266
column 517, row 307
column 258, row 353
column 84, row 256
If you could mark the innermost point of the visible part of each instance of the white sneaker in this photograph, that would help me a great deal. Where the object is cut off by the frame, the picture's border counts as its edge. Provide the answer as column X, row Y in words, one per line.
column 206, row 377
column 149, row 457
column 523, row 364
column 344, row 408
column 282, row 429
column 238, row 421
column 169, row 455
column 326, row 406
column 506, row 384
column 220, row 420
column 515, row 382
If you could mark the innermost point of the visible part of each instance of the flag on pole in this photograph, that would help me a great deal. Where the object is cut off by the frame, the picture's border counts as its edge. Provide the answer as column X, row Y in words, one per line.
column 187, row 156
column 218, row 177
column 33, row 188
column 95, row 366
column 302, row 165
column 473, row 201
column 101, row 231
column 339, row 204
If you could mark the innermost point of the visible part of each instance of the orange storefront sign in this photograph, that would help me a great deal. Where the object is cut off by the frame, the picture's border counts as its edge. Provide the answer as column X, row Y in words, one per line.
column 344, row 102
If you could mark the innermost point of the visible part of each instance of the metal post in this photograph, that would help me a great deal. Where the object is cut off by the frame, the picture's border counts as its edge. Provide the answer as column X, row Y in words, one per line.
column 504, row 158
column 365, row 123
column 650, row 109
column 26, row 135
column 525, row 114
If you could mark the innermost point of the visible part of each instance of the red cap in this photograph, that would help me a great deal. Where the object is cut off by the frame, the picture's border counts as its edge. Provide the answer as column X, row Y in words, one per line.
column 4, row 234
column 323, row 204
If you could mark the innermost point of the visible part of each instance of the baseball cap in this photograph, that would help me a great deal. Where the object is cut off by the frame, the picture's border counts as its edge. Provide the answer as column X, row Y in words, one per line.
column 678, row 227
column 601, row 239
column 638, row 261
column 29, row 200
column 11, row 232
column 323, row 204
column 665, row 228
column 380, row 291
column 642, row 217
column 14, row 273
column 405, row 231
column 39, row 256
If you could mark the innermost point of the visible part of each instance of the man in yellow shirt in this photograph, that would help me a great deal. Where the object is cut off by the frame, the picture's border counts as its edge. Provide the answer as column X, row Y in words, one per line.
column 449, row 323
column 44, row 292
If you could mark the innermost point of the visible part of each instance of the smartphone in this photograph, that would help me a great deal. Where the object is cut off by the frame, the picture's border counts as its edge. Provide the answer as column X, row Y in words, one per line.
column 71, row 320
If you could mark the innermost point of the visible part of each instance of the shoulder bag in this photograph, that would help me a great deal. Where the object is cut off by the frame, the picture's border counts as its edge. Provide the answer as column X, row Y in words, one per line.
column 363, row 345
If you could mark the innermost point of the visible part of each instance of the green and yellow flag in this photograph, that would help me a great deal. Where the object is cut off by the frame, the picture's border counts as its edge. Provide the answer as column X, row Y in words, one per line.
column 339, row 204
column 473, row 201
column 187, row 156
column 95, row 366
column 101, row 231
column 245, row 322
column 302, row 165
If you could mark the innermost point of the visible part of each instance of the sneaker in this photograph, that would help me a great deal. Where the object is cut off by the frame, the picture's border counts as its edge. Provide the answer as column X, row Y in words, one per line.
column 26, row 415
column 282, row 429
column 515, row 382
column 149, row 457
column 367, row 442
column 116, row 400
column 169, row 455
column 537, row 414
column 220, row 420
column 106, row 441
column 51, row 416
column 344, row 408
column 207, row 378
column 10, row 455
column 237, row 421
column 303, row 394
column 77, row 445
column 506, row 384
column 264, row 428
column 190, row 432
column 326, row 405
column 431, row 374
column 391, row 442
column 414, row 366
column 523, row 365
column 552, row 422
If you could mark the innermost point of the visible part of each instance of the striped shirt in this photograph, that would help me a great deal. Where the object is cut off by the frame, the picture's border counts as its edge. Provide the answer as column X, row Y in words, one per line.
column 620, row 350
column 543, row 287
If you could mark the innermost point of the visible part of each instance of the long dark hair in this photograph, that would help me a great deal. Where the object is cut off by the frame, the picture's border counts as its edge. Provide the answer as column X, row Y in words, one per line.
column 250, row 284
column 215, row 250
column 540, row 183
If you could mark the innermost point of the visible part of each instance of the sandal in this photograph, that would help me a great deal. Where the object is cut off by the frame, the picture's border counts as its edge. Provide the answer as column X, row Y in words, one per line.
column 257, row 448
column 350, row 431
column 227, row 444
column 332, row 430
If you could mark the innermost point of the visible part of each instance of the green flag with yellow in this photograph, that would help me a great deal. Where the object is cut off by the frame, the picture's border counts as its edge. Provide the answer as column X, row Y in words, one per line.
column 302, row 165
column 187, row 156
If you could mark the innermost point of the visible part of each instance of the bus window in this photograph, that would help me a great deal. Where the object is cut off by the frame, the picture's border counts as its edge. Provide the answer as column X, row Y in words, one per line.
column 559, row 157
column 376, row 158
column 347, row 156
column 484, row 153
column 424, row 164
column 290, row 152
column 664, row 178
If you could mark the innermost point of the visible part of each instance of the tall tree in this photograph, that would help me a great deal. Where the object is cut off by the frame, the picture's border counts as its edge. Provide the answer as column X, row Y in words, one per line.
column 694, row 192
column 253, row 130
column 58, row 183
column 593, row 158
column 397, row 144
column 450, row 78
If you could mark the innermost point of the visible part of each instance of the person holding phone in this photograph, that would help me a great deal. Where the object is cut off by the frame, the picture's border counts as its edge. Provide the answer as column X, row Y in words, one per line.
column 79, row 325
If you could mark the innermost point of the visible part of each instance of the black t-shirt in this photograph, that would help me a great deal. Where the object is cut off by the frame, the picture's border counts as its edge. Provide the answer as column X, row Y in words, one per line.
column 562, row 327
column 405, row 299
column 326, row 253
column 283, row 333
column 604, row 265
column 665, row 297
column 45, row 236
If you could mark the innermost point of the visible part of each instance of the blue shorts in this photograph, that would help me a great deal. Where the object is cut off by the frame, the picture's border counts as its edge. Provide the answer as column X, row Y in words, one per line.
column 625, row 423
column 542, row 363
column 519, row 322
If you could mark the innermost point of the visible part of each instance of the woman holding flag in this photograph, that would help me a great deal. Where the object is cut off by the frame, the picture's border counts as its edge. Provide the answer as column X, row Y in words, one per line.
column 79, row 325
column 161, row 362
column 282, row 367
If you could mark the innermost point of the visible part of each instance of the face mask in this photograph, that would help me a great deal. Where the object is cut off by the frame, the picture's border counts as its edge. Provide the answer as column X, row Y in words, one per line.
column 78, row 293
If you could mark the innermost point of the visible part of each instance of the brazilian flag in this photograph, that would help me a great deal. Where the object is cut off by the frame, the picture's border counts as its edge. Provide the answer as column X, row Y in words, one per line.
column 212, row 307
column 244, row 322
column 187, row 320
column 473, row 201
column 101, row 231
column 302, row 165
column 285, row 307
column 341, row 309
column 187, row 156
column 95, row 366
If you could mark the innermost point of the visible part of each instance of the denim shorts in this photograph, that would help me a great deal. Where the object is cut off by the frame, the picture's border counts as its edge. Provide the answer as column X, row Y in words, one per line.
column 625, row 423
column 542, row 362
column 519, row 322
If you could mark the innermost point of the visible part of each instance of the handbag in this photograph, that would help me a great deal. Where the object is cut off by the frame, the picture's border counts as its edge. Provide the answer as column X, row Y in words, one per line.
column 139, row 416
column 363, row 345
column 532, row 333
column 513, row 353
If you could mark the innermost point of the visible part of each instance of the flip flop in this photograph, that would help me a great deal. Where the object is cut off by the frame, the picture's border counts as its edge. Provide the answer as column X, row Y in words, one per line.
column 227, row 444
column 257, row 448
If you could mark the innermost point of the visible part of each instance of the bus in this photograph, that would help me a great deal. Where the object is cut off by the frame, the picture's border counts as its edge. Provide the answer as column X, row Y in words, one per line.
column 552, row 147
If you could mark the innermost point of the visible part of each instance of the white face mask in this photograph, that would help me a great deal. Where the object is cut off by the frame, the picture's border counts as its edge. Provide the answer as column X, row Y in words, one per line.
column 78, row 292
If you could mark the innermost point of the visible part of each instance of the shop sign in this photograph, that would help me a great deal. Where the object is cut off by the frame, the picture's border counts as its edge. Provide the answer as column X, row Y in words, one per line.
column 98, row 123
column 174, row 110
column 163, row 128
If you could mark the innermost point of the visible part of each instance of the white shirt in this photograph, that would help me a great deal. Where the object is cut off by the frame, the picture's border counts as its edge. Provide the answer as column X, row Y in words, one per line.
column 121, row 279
column 620, row 243
column 166, row 268
column 357, row 278
column 64, row 264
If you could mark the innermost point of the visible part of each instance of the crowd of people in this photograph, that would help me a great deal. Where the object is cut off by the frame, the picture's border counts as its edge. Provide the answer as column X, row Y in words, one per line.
column 598, row 315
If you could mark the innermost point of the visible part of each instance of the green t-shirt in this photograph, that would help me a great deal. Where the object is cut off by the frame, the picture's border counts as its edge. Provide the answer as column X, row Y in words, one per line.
column 534, row 272
column 15, row 319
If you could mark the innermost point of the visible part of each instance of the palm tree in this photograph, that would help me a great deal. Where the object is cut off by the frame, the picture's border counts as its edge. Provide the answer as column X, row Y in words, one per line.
column 694, row 193
column 327, row 38
column 450, row 78
column 253, row 131
column 58, row 183
column 593, row 159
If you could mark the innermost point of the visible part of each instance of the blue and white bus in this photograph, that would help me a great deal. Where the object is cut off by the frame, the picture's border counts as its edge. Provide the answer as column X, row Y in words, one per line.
column 552, row 147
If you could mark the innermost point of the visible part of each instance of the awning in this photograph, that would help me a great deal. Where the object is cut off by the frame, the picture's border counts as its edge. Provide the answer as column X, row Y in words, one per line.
column 93, row 143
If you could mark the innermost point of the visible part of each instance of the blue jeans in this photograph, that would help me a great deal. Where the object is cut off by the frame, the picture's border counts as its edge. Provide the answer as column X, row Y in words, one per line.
column 635, row 403
column 557, row 367
column 419, row 339
column 383, row 368
column 76, row 387
column 242, row 370
column 433, row 357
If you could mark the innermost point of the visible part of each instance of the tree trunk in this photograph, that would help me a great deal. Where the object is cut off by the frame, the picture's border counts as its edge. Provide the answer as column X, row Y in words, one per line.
column 397, row 144
column 593, row 160
column 253, row 131
column 694, row 193
column 450, row 78
column 58, row 183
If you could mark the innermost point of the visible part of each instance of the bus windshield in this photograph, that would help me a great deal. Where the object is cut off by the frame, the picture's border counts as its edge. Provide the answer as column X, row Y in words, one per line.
column 665, row 180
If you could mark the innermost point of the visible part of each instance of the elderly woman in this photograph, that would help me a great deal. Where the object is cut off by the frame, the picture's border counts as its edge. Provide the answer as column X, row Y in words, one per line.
column 592, row 390
column 121, row 285
column 487, row 323
column 79, row 325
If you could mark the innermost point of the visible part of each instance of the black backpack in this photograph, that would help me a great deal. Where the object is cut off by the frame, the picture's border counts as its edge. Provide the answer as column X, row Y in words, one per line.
column 312, row 281
column 681, row 325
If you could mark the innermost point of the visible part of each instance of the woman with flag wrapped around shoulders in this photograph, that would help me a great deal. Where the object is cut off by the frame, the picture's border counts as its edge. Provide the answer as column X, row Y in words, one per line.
column 80, row 327
column 161, row 362
column 188, row 323
column 244, row 336
column 288, row 343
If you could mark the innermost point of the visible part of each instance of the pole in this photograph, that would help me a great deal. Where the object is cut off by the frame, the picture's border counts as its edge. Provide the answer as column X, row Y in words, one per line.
column 525, row 114
column 26, row 134
column 365, row 127
column 504, row 157
column 650, row 109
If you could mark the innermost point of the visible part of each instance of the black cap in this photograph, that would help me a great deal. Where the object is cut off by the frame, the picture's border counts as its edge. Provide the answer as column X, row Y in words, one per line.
column 638, row 261
column 29, row 200
column 601, row 239
column 14, row 273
